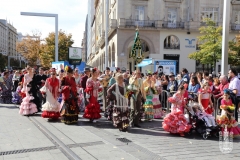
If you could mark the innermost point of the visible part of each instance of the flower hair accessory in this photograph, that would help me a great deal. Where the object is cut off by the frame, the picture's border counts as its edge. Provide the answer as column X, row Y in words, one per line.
column 68, row 69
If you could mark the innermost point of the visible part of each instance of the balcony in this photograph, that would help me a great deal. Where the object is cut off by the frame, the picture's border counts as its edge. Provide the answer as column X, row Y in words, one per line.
column 235, row 27
column 205, row 24
column 140, row 23
column 113, row 24
column 167, row 24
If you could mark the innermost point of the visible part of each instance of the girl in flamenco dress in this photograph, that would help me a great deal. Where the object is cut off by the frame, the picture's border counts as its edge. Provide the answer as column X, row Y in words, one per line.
column 51, row 90
column 175, row 122
column 28, row 107
column 69, row 109
column 149, row 88
column 17, row 95
column 226, row 119
column 157, row 107
column 204, row 98
column 92, row 110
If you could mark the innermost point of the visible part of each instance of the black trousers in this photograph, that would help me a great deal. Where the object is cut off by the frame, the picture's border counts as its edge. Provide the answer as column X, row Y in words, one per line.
column 237, row 101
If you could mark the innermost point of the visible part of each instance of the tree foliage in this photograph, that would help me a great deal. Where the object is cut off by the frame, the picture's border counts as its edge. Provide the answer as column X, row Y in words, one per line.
column 234, row 52
column 48, row 48
column 210, row 43
column 30, row 48
column 3, row 62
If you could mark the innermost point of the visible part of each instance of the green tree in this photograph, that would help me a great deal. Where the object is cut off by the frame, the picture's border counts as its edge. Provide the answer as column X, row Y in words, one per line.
column 234, row 52
column 210, row 43
column 48, row 49
column 30, row 48
column 3, row 62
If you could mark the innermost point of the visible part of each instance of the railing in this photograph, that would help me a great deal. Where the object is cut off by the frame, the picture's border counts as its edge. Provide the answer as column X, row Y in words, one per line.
column 235, row 27
column 168, row 24
column 205, row 24
column 140, row 23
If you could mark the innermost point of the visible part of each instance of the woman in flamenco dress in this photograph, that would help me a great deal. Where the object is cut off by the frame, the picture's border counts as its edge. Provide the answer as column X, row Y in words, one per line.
column 92, row 110
column 117, row 93
column 29, row 102
column 69, row 109
column 175, row 122
column 51, row 90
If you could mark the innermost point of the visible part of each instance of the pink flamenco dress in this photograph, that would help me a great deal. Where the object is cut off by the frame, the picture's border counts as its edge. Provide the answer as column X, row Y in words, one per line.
column 175, row 122
column 92, row 110
column 157, row 107
column 27, row 107
column 51, row 108
column 226, row 120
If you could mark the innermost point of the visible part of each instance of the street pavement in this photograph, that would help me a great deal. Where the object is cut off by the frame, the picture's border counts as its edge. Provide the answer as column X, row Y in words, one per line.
column 35, row 138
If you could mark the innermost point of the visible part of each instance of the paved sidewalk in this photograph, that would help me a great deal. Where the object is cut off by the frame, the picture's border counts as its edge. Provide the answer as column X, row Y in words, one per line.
column 100, row 140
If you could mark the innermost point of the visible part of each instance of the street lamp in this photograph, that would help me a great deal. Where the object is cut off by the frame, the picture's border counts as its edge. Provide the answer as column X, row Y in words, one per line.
column 56, row 27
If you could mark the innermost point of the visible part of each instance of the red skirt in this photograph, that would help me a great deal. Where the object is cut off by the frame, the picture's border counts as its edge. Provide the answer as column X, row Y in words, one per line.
column 205, row 103
column 92, row 110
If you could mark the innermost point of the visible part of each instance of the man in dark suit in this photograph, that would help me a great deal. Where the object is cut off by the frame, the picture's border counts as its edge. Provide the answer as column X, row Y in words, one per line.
column 84, row 81
column 41, row 78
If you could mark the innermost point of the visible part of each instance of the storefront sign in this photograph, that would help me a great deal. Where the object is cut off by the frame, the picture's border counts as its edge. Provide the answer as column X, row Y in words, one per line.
column 75, row 55
column 165, row 67
column 190, row 43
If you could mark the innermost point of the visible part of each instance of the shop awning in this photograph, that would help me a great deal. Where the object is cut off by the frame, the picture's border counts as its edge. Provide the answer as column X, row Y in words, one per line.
column 145, row 62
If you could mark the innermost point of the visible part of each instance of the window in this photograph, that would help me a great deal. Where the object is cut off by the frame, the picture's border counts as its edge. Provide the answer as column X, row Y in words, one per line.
column 237, row 18
column 211, row 13
column 171, row 42
column 139, row 12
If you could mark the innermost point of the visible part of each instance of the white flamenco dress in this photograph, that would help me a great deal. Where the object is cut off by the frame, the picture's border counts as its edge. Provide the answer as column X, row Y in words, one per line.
column 51, row 108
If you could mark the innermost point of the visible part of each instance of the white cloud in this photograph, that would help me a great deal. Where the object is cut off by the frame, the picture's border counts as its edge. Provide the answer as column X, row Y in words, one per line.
column 71, row 16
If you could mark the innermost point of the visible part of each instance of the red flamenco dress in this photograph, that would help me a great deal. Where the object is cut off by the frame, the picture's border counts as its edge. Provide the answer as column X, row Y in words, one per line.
column 175, row 122
column 226, row 120
column 69, row 109
column 92, row 110
column 52, row 107
column 205, row 100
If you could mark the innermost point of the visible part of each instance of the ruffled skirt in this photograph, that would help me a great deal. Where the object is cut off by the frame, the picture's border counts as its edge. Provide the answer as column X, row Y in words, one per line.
column 148, row 108
column 92, row 110
column 232, row 124
column 27, row 107
column 157, row 107
column 51, row 110
column 121, row 118
column 69, row 112
column 175, row 122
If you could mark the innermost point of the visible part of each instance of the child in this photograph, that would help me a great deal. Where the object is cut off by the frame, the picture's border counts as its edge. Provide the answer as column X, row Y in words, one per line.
column 209, row 119
column 204, row 98
column 17, row 95
column 226, row 118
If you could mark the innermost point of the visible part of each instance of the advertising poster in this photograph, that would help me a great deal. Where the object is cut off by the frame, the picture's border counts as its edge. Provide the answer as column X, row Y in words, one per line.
column 75, row 53
column 59, row 65
column 165, row 66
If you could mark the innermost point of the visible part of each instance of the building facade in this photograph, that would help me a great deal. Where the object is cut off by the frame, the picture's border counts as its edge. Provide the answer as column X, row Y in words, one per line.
column 3, row 37
column 83, row 46
column 168, row 30
column 12, row 40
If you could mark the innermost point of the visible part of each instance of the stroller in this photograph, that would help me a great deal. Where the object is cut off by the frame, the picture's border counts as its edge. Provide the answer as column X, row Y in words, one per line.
column 199, row 123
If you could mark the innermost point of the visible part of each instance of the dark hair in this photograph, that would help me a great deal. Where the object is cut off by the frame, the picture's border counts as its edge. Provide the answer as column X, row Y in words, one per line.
column 181, row 87
column 93, row 70
column 195, row 79
column 184, row 70
column 206, row 73
column 234, row 71
column 167, row 78
column 5, row 73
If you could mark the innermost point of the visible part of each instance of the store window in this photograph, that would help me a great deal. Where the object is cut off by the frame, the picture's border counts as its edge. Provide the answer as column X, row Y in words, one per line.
column 139, row 13
column 171, row 42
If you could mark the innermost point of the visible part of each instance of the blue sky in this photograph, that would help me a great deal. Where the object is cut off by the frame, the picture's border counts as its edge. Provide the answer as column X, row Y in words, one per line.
column 71, row 16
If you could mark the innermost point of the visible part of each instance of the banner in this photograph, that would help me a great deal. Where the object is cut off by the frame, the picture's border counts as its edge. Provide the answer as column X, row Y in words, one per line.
column 165, row 67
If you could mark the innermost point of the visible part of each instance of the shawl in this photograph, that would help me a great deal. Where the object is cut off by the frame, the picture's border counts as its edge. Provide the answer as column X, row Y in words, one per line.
column 53, row 86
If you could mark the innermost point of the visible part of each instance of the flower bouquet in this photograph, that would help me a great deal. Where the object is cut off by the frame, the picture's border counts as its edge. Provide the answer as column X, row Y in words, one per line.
column 148, row 89
column 226, row 119
column 131, row 91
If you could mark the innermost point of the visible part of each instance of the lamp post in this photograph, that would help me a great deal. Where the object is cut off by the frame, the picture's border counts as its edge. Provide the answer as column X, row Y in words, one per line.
column 56, row 27
column 225, row 38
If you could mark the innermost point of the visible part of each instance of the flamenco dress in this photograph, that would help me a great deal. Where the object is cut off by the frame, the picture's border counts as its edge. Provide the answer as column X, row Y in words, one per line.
column 69, row 109
column 51, row 108
column 175, row 122
column 28, row 107
column 228, row 121
column 157, row 107
column 92, row 110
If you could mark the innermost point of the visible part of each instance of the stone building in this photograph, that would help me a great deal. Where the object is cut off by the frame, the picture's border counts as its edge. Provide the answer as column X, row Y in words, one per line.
column 3, row 37
column 12, row 40
column 168, row 29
